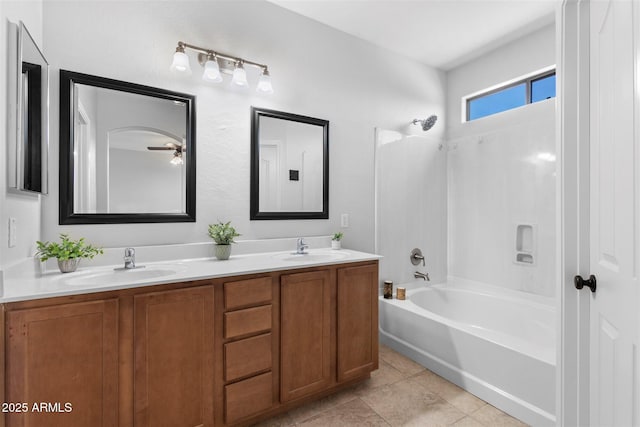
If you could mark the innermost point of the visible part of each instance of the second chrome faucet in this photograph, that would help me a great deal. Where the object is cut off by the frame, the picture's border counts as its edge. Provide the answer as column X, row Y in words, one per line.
column 129, row 260
column 301, row 246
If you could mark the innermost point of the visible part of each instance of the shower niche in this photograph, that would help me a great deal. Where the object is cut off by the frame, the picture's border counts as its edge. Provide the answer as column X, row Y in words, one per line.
column 525, row 244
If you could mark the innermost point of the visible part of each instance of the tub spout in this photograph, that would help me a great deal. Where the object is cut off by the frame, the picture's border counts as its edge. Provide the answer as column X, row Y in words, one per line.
column 423, row 276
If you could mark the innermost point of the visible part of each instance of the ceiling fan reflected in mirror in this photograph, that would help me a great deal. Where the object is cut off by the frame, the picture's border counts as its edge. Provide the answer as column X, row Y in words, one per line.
column 170, row 146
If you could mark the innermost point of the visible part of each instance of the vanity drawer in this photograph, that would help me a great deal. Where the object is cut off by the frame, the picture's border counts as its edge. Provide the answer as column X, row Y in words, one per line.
column 248, row 397
column 247, row 321
column 243, row 293
column 245, row 357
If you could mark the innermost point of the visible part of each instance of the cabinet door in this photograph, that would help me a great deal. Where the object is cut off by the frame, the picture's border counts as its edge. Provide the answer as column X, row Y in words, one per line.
column 357, row 321
column 64, row 359
column 305, row 328
column 174, row 358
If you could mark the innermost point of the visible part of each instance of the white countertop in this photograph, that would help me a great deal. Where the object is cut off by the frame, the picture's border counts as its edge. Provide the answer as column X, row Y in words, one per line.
column 100, row 279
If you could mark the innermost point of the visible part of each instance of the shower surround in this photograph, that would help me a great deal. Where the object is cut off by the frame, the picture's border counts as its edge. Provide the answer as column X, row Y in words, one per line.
column 481, row 207
column 502, row 175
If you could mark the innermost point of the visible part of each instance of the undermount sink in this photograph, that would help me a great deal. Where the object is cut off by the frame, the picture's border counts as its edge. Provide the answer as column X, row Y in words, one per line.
column 115, row 277
column 313, row 256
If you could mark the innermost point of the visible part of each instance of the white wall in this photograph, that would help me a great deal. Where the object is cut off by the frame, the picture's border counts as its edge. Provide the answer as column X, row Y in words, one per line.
column 139, row 178
column 501, row 173
column 316, row 71
column 22, row 206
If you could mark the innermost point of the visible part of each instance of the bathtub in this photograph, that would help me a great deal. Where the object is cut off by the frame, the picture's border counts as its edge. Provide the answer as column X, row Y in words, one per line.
column 496, row 344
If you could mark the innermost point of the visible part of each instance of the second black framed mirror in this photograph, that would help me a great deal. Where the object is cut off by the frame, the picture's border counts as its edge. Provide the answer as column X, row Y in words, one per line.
column 289, row 166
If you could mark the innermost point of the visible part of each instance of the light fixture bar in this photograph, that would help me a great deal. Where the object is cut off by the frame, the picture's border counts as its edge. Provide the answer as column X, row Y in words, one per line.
column 228, row 57
column 214, row 62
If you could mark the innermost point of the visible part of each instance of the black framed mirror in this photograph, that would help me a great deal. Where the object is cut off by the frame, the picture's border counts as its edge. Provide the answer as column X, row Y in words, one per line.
column 127, row 152
column 289, row 166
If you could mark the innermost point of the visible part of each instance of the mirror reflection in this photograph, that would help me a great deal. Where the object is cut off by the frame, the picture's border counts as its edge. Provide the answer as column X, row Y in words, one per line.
column 125, row 147
column 131, row 153
column 289, row 166
column 28, row 157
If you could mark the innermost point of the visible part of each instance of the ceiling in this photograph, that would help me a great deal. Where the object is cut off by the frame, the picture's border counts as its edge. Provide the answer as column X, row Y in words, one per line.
column 439, row 33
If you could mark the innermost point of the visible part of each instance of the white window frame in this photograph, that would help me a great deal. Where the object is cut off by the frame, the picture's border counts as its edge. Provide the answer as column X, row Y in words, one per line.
column 527, row 79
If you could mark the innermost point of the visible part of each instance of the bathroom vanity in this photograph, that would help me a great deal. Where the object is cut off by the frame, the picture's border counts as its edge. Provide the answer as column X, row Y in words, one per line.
column 217, row 343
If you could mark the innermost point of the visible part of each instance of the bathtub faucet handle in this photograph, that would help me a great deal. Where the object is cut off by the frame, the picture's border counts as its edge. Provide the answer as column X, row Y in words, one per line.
column 416, row 256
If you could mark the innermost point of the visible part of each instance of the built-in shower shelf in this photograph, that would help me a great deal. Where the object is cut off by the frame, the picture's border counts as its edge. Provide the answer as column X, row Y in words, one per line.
column 524, row 244
column 524, row 258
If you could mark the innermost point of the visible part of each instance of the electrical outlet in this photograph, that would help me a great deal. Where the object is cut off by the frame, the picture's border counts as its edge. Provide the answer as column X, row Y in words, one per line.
column 12, row 232
column 344, row 220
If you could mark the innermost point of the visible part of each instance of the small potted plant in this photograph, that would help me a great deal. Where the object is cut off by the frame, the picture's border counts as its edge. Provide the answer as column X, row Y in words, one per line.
column 335, row 241
column 68, row 252
column 222, row 234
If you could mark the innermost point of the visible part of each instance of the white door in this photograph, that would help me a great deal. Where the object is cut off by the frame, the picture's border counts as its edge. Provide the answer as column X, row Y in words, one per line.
column 270, row 184
column 615, row 218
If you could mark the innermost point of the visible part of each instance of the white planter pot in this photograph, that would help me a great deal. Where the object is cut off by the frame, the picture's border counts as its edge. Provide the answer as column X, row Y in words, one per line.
column 222, row 252
column 336, row 244
column 69, row 265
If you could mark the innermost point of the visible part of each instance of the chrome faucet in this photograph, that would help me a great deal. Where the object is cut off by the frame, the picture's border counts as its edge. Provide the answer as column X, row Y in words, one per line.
column 301, row 246
column 129, row 258
column 423, row 276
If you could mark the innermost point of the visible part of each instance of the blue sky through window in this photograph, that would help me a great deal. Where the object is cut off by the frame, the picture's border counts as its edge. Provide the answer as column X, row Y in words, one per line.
column 506, row 99
column 543, row 88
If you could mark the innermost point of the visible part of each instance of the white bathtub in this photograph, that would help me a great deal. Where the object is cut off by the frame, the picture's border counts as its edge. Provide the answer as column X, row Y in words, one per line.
column 499, row 346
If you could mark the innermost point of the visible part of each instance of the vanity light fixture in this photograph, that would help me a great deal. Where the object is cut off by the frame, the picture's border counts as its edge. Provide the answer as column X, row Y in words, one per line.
column 215, row 63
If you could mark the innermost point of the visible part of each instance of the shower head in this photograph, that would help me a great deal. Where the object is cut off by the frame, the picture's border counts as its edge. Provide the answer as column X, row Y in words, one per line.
column 426, row 123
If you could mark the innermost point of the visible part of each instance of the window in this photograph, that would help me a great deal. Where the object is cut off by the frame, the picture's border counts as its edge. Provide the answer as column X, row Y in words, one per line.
column 543, row 88
column 526, row 91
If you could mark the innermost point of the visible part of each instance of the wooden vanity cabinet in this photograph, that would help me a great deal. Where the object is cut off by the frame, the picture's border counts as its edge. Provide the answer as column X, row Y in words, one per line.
column 66, row 355
column 249, row 347
column 305, row 333
column 329, row 328
column 357, row 321
column 220, row 352
column 174, row 358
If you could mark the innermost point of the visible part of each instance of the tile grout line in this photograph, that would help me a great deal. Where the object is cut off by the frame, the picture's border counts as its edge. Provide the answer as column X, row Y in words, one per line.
column 376, row 412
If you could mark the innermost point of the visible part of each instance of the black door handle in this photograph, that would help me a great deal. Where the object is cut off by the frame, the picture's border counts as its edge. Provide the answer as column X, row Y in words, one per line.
column 579, row 282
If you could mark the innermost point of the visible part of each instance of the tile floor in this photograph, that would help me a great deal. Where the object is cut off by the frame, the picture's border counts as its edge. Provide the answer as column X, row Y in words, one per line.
column 400, row 393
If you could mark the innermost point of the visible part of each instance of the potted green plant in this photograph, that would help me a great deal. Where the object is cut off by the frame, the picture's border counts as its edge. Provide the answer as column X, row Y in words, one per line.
column 223, row 234
column 68, row 252
column 335, row 241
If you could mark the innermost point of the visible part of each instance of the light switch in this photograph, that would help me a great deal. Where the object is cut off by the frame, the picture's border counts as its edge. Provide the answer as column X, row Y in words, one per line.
column 12, row 232
column 344, row 220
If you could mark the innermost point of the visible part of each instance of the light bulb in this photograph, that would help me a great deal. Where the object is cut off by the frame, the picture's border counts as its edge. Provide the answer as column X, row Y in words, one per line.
column 264, row 83
column 177, row 159
column 240, row 76
column 211, row 71
column 180, row 62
